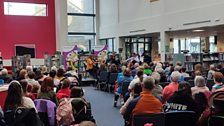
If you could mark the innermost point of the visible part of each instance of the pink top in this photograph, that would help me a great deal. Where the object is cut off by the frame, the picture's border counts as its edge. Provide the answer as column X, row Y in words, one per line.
column 169, row 90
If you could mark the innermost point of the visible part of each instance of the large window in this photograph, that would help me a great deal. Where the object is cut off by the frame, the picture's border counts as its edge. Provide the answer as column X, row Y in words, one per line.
column 110, row 42
column 193, row 45
column 81, row 22
column 26, row 9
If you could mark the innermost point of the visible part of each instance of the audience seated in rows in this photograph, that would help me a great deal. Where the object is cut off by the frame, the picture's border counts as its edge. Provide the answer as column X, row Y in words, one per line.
column 145, row 103
column 181, row 100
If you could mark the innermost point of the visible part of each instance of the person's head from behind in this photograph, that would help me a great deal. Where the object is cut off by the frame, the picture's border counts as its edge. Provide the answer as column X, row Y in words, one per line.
column 175, row 76
column 218, row 77
column 87, row 123
column 35, row 89
column 198, row 67
column 29, row 68
column 157, row 77
column 47, row 84
column 140, row 75
column 212, row 67
column 199, row 81
column 52, row 73
column 178, row 63
column 76, row 92
column 137, row 89
column 197, row 73
column 4, row 71
column 14, row 97
column 60, row 72
column 148, row 83
column 127, row 72
column 22, row 73
column 31, row 75
column 24, row 84
column 66, row 83
column 185, row 88
column 183, row 69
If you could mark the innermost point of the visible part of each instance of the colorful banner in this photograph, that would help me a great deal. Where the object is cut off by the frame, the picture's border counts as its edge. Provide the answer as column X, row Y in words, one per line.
column 71, row 57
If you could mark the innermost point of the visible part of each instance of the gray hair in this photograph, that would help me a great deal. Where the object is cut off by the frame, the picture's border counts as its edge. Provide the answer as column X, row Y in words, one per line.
column 175, row 76
column 4, row 71
column 149, row 83
column 199, row 81
column 156, row 77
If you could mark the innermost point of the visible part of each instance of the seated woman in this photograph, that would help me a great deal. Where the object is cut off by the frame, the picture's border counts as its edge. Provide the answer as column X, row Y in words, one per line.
column 19, row 110
column 16, row 99
column 217, row 77
column 46, row 91
column 182, row 100
column 126, row 77
column 24, row 85
column 200, row 86
column 65, row 90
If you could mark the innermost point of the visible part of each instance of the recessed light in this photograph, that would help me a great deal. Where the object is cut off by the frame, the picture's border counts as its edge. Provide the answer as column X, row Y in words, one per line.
column 198, row 30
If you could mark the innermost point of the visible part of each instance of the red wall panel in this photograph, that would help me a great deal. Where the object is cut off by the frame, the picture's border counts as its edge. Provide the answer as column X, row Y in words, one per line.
column 28, row 30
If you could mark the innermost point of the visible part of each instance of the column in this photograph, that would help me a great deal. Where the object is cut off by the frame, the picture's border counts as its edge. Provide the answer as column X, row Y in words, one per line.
column 61, row 24
column 164, row 41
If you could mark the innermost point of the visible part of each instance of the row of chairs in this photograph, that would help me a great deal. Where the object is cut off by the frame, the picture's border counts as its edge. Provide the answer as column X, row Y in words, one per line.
column 107, row 80
column 174, row 118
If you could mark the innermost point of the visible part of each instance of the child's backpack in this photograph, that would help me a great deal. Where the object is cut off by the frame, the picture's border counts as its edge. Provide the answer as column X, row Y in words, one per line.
column 64, row 113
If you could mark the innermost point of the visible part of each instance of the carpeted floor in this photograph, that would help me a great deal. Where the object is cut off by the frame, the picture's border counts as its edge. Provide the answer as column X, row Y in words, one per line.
column 102, row 107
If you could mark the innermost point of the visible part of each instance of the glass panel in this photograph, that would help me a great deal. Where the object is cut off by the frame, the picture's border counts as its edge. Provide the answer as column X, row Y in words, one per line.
column 27, row 9
column 110, row 45
column 213, row 45
column 80, row 24
column 80, row 6
column 134, row 49
column 176, row 46
column 102, row 42
column 82, row 40
column 195, row 45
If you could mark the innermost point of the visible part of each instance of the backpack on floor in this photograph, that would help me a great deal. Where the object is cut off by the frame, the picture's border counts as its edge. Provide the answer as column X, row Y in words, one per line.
column 64, row 113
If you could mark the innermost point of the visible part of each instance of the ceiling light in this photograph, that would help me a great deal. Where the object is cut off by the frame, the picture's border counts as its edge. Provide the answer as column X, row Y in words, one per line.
column 198, row 30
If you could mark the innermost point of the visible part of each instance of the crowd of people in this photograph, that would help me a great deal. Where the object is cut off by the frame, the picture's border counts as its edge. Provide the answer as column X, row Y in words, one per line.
column 151, row 88
column 147, row 93
column 40, row 96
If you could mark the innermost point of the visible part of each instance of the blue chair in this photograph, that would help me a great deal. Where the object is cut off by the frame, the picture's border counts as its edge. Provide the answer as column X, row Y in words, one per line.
column 180, row 118
column 155, row 119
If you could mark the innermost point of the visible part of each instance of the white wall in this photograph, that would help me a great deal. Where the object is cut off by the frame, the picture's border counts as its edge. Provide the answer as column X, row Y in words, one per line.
column 119, row 17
